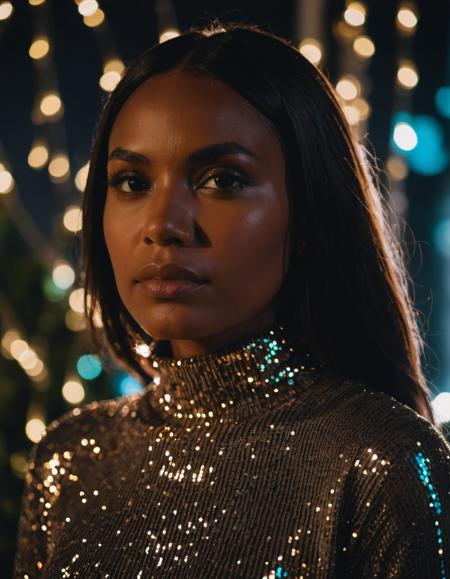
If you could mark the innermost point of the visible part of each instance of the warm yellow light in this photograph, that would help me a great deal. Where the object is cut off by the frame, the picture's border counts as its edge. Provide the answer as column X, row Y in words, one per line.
column 348, row 87
column 63, row 275
column 355, row 14
column 75, row 321
column 364, row 47
column 407, row 75
column 81, row 177
column 406, row 17
column 36, row 2
column 168, row 34
column 87, row 7
column 352, row 114
column 6, row 9
column 73, row 391
column 38, row 156
column 76, row 300
column 114, row 64
column 72, row 218
column 311, row 49
column 37, row 369
column 108, row 81
column 28, row 359
column 34, row 429
column 17, row 348
column 397, row 168
column 59, row 166
column 8, row 338
column 363, row 107
column 6, row 182
column 19, row 464
column 50, row 104
column 94, row 19
column 39, row 48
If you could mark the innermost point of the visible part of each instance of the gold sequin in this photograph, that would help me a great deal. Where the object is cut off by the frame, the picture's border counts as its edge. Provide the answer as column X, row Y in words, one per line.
column 250, row 462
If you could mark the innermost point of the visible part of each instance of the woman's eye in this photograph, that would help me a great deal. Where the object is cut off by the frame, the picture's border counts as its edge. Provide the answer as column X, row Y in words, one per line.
column 225, row 179
column 128, row 183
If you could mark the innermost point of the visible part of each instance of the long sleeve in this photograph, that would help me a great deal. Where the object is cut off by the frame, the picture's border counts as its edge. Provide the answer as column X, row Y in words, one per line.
column 401, row 526
column 32, row 530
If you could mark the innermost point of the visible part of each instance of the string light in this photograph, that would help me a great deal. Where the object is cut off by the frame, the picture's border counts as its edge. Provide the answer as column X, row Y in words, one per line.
column 34, row 429
column 311, row 49
column 407, row 75
column 74, row 321
column 38, row 156
column 76, row 300
column 6, row 182
column 112, row 74
column 6, row 9
column 363, row 46
column 39, row 48
column 73, row 392
column 352, row 114
column 36, row 2
column 72, row 218
column 397, row 168
column 355, row 14
column 63, row 275
column 59, row 166
column 405, row 136
column 50, row 104
column 348, row 87
column 81, row 177
column 406, row 18
column 168, row 34
column 87, row 7
column 94, row 19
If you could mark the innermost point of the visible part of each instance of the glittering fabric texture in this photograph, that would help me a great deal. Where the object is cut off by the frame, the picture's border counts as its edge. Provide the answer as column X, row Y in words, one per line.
column 249, row 462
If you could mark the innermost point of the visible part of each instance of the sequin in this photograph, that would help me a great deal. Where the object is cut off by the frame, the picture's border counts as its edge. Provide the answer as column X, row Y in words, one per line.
column 253, row 462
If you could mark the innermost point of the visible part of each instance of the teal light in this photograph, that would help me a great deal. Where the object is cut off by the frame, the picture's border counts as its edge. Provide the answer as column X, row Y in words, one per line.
column 126, row 384
column 442, row 101
column 428, row 156
column 442, row 237
column 89, row 366
column 52, row 291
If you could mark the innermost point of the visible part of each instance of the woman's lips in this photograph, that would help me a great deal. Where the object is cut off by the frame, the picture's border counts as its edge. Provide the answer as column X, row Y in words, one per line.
column 169, row 288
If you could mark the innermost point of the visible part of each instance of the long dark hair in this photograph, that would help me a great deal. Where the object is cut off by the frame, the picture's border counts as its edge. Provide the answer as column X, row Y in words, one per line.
column 347, row 295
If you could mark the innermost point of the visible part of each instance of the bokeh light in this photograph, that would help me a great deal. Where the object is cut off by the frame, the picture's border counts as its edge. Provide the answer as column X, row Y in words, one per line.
column 406, row 18
column 6, row 182
column 355, row 14
column 73, row 218
column 73, row 391
column 363, row 46
column 34, row 429
column 6, row 9
column 311, row 49
column 63, row 275
column 50, row 104
column 38, row 156
column 89, row 366
column 39, row 48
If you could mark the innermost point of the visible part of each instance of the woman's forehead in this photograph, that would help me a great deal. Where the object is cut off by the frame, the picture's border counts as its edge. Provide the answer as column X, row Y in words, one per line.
column 178, row 106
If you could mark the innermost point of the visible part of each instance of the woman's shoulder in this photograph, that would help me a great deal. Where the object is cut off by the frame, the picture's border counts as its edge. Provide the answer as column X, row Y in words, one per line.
column 87, row 425
column 368, row 418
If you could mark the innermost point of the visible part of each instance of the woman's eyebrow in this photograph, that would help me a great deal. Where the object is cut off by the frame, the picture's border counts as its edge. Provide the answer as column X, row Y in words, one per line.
column 204, row 155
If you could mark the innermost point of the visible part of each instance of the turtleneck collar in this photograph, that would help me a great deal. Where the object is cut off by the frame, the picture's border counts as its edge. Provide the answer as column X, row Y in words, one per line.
column 234, row 382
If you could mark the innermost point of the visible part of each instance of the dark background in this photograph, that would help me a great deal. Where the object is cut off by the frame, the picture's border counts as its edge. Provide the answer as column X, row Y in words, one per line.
column 31, row 231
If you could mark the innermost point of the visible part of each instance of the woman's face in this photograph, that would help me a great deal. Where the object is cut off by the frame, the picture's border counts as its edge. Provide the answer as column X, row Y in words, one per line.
column 222, row 214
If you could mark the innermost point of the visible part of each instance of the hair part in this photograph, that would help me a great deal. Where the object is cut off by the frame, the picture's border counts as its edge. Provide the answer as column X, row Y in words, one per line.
column 347, row 295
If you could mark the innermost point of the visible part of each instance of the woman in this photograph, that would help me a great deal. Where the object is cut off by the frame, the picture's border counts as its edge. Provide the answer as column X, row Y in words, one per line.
column 285, row 428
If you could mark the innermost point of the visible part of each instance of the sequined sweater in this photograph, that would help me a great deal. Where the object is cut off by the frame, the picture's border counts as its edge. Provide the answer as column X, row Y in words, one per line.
column 253, row 462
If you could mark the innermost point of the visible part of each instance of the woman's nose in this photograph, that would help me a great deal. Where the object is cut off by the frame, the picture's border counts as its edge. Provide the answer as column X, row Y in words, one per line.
column 169, row 216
